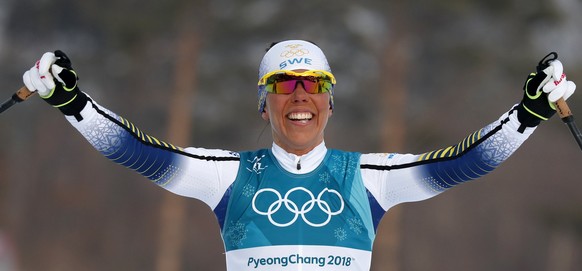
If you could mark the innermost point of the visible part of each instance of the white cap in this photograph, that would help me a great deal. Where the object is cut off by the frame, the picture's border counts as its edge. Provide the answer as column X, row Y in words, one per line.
column 293, row 55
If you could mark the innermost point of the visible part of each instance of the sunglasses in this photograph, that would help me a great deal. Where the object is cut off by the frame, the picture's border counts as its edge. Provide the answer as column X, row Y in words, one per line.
column 285, row 82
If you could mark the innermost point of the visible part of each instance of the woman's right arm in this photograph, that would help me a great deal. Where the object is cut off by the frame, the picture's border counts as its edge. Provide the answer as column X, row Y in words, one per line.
column 197, row 173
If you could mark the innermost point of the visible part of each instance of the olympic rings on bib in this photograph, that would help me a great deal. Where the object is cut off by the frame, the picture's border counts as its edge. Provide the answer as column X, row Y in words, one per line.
column 294, row 208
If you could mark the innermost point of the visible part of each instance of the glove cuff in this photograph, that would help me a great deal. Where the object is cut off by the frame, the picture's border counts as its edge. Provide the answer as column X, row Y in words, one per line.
column 526, row 117
column 74, row 107
column 69, row 103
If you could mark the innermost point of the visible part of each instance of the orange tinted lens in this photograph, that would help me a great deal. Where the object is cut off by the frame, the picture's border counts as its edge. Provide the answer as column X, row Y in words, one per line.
column 289, row 86
column 285, row 87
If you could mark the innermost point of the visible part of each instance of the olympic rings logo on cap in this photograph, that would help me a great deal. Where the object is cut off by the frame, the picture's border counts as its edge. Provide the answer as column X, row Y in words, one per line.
column 294, row 208
column 294, row 52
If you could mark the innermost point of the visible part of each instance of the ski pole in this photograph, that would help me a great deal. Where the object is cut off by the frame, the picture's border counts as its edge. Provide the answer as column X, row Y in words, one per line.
column 567, row 117
column 20, row 95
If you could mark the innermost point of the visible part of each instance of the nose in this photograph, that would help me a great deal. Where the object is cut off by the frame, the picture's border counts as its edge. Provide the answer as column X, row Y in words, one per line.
column 300, row 94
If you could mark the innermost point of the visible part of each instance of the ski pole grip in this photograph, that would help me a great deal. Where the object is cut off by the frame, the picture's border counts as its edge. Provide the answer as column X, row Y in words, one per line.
column 563, row 110
column 22, row 94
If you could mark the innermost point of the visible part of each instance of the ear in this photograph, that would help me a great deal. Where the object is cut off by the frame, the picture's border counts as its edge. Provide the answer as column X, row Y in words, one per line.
column 265, row 115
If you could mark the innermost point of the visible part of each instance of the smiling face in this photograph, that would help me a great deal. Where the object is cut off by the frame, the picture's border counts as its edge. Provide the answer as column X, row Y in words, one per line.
column 295, row 92
column 298, row 119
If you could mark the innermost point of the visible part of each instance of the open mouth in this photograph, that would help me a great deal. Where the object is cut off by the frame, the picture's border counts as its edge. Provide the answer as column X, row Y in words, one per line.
column 300, row 116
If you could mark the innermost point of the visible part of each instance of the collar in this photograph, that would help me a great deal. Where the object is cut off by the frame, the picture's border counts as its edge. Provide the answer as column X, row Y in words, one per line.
column 300, row 164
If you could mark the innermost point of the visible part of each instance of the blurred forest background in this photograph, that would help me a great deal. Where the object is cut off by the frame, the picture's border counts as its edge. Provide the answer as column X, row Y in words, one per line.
column 413, row 76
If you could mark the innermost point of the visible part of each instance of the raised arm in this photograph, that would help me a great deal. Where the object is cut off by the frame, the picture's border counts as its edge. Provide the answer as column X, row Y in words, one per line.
column 395, row 178
column 193, row 172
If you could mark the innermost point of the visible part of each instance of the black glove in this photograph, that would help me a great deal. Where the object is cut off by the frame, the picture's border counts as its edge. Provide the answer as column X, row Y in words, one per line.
column 56, row 82
column 535, row 105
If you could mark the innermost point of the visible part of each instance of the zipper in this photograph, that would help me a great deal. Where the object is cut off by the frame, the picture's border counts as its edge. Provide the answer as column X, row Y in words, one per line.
column 298, row 162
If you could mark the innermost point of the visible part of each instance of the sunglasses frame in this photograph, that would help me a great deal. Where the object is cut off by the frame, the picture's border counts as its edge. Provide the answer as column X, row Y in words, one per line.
column 310, row 75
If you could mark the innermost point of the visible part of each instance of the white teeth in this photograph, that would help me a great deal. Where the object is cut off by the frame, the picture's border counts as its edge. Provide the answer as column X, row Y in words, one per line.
column 300, row 116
